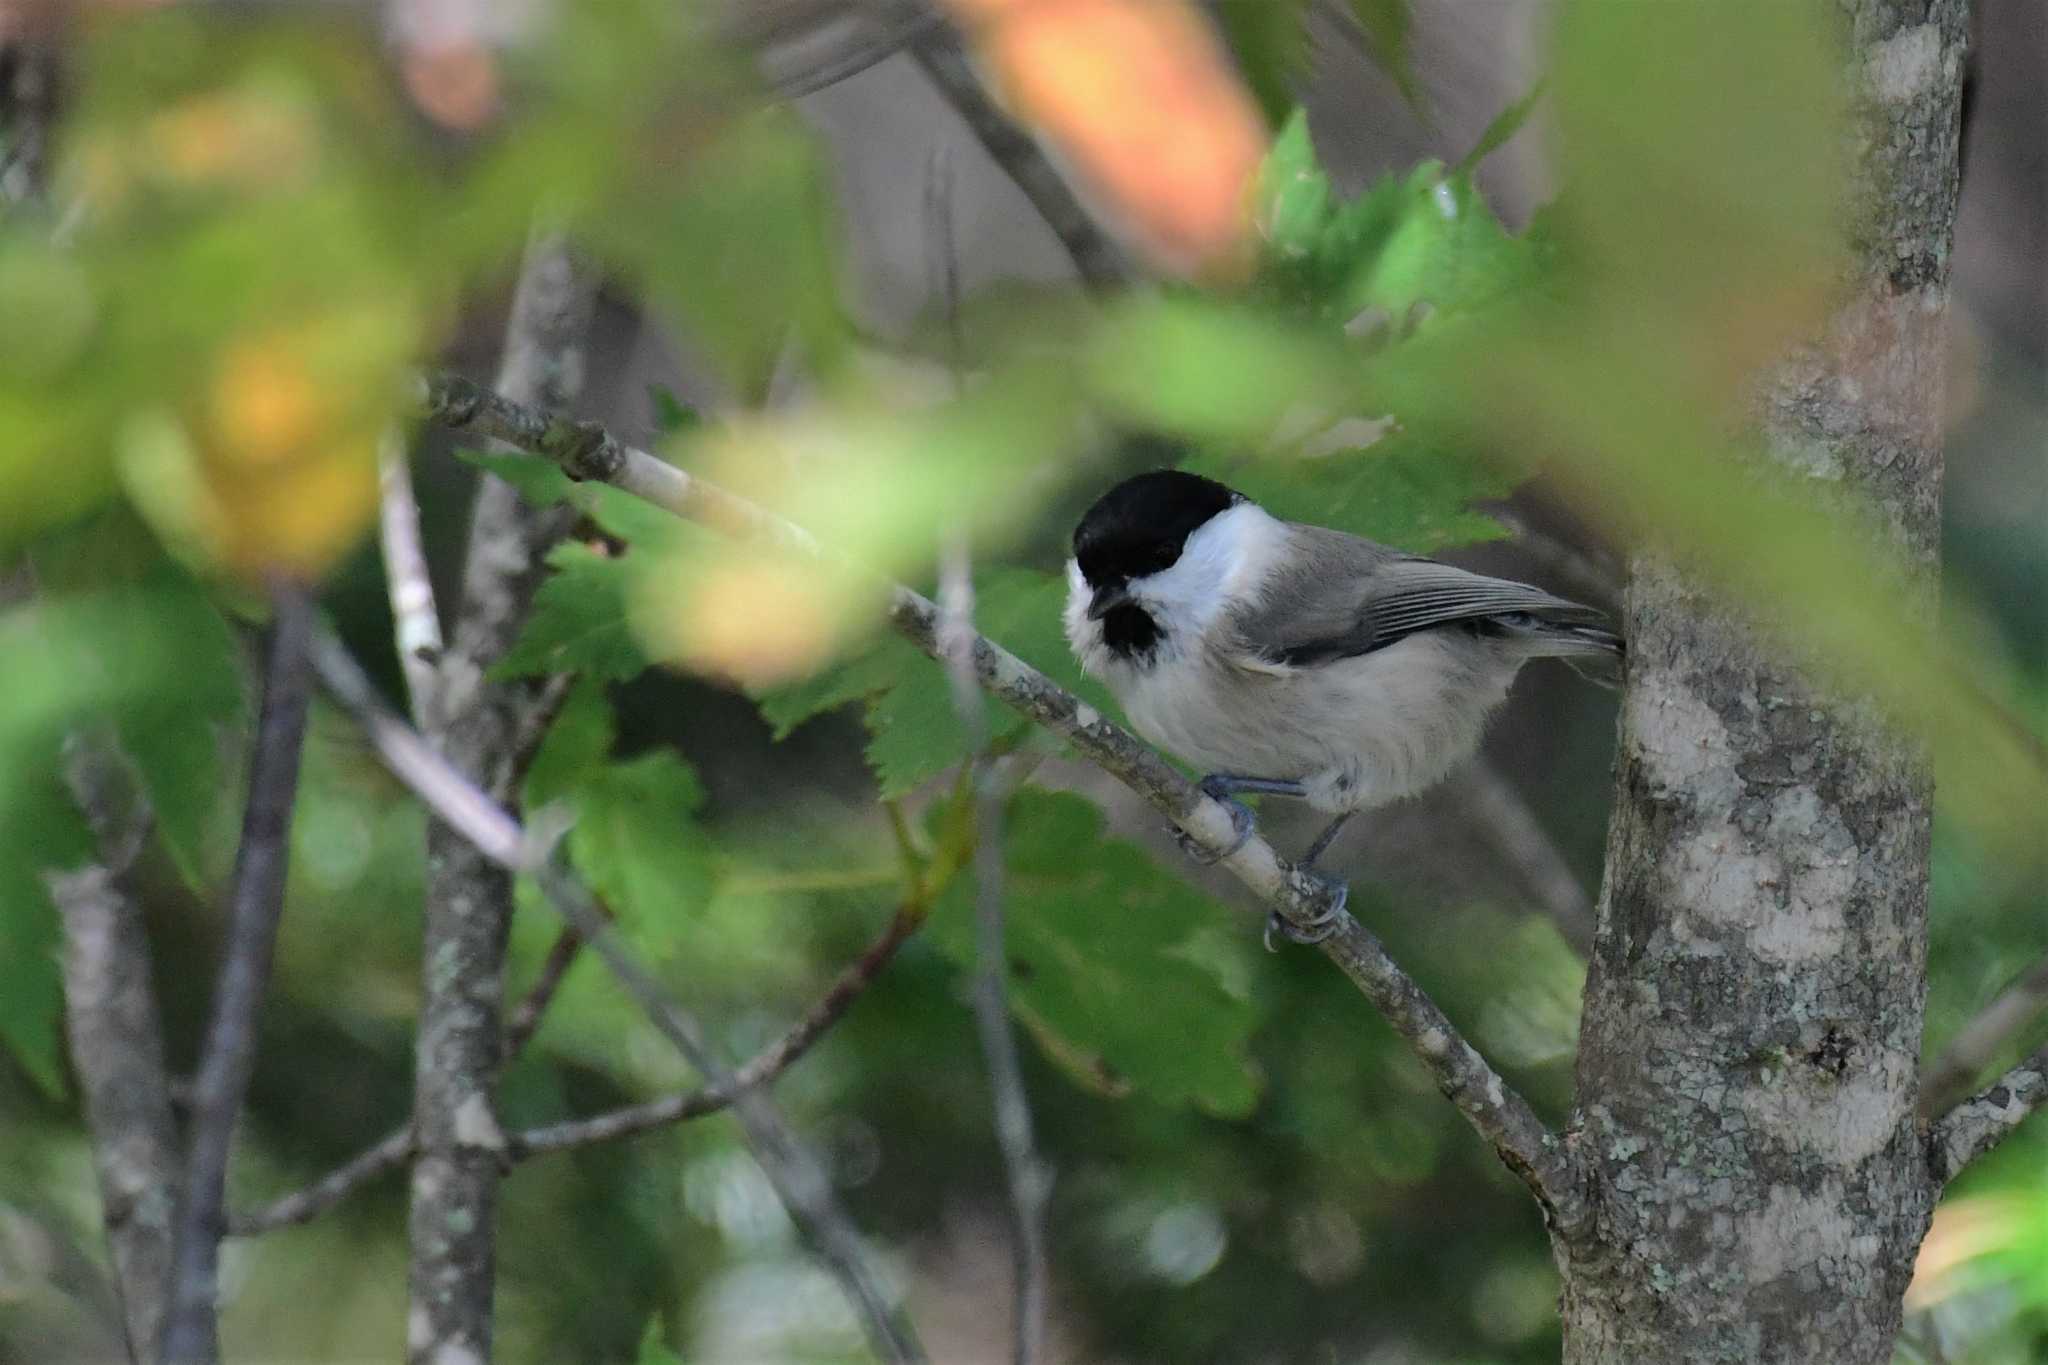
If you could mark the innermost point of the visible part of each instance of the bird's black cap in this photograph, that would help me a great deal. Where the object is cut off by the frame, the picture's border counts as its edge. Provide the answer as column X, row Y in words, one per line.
column 1139, row 526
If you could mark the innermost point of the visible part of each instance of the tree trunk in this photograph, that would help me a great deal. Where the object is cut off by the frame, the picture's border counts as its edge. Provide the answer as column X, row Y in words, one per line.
column 1753, row 1009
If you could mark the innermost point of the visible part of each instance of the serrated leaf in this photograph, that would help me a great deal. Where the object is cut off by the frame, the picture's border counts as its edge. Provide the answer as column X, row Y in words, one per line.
column 637, row 841
column 1400, row 491
column 576, row 745
column 1293, row 196
column 1097, row 938
column 911, row 716
column 579, row 620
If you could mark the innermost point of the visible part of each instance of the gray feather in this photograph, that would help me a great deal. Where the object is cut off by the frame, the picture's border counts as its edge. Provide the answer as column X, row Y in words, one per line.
column 1340, row 596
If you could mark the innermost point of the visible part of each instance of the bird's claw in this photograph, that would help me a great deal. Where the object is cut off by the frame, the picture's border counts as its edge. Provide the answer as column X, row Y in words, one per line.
column 1240, row 820
column 1316, row 930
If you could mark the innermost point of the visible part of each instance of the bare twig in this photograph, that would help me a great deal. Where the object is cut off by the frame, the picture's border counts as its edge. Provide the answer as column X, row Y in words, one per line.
column 396, row 1148
column 1948, row 1077
column 794, row 1172
column 1096, row 258
column 229, row 1055
column 1029, row 1180
column 484, row 727
column 1984, row 1120
column 304, row 1205
column 415, row 620
column 116, row 1041
column 1498, row 811
column 759, row 1070
column 1490, row 1105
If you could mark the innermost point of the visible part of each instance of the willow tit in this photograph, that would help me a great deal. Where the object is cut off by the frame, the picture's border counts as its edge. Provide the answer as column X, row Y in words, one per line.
column 1293, row 660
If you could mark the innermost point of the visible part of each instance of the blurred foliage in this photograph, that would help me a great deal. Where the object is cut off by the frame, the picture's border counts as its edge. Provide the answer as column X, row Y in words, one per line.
column 259, row 236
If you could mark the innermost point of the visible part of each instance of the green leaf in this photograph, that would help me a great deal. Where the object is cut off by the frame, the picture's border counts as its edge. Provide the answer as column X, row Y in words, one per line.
column 1402, row 491
column 540, row 482
column 911, row 716
column 1502, row 130
column 636, row 838
column 575, row 746
column 671, row 414
column 653, row 1351
column 1293, row 195
column 579, row 622
column 1098, row 942
column 74, row 659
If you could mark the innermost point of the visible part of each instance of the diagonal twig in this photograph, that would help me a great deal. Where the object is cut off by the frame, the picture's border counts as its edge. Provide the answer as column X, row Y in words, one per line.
column 1500, row 1115
column 1986, row 1118
column 791, row 1168
column 308, row 1203
column 1096, row 258
column 229, row 1055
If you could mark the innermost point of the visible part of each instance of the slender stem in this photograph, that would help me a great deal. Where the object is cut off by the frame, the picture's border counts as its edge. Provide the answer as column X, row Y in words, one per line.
column 1096, row 258
column 525, row 1017
column 1493, row 1108
column 304, row 1205
column 229, row 1053
column 1028, row 1178
column 790, row 1167
column 415, row 620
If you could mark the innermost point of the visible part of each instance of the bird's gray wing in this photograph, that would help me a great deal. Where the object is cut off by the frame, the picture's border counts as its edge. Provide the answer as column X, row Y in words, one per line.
column 1341, row 596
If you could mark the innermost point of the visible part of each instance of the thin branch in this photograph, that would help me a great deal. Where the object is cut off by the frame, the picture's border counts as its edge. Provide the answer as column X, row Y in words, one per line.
column 396, row 1148
column 1493, row 805
column 790, row 1167
column 229, row 1055
column 525, row 1017
column 415, row 620
column 1096, row 258
column 1948, row 1077
column 486, row 727
column 759, row 1070
column 1028, row 1179
column 116, row 1040
column 1984, row 1120
column 1503, row 1117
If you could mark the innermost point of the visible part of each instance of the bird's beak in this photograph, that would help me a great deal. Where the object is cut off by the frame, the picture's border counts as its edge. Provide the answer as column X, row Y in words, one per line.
column 1108, row 600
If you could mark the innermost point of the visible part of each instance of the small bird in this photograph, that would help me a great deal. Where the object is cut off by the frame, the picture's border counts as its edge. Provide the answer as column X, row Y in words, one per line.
column 1293, row 660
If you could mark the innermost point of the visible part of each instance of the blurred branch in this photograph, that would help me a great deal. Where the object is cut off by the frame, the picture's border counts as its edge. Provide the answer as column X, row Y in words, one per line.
column 793, row 1171
column 1493, row 805
column 1947, row 1078
column 1529, row 1149
column 415, row 619
column 1096, row 258
column 488, row 728
column 303, row 1206
column 1029, row 1179
column 229, row 1054
column 396, row 1148
column 28, row 108
column 759, row 1070
column 1984, row 1120
column 116, row 1040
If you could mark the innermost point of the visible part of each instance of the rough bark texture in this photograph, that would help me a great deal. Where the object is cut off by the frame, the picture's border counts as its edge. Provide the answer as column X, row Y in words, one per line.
column 485, row 728
column 1747, row 1071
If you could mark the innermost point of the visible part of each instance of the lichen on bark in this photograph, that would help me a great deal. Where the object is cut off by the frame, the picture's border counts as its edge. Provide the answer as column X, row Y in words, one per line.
column 1751, row 1039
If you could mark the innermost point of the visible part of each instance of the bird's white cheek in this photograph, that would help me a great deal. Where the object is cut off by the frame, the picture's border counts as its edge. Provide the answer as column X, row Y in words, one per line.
column 1084, row 636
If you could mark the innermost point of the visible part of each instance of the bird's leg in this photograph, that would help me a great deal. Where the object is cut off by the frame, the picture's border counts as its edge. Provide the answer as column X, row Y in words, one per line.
column 1325, row 924
column 1224, row 787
